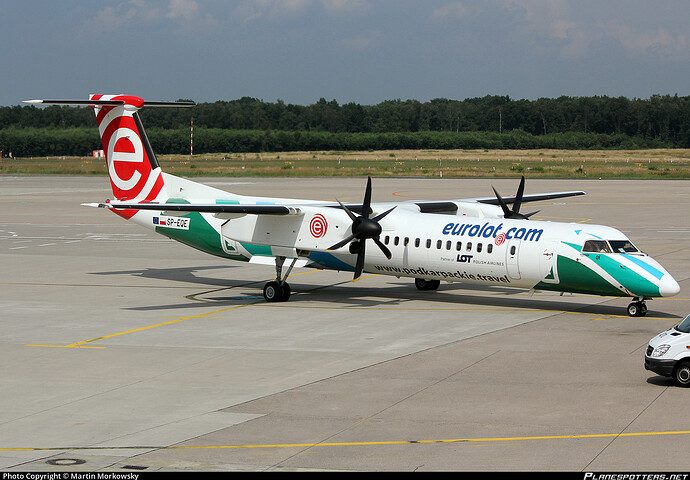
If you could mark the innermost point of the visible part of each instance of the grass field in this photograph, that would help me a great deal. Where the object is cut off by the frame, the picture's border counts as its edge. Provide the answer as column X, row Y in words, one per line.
column 665, row 163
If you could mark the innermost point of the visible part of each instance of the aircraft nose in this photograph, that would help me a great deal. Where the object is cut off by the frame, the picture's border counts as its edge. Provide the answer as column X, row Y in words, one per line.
column 668, row 286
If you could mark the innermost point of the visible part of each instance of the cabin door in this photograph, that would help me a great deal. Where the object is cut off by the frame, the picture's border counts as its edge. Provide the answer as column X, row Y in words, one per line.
column 548, row 264
column 512, row 252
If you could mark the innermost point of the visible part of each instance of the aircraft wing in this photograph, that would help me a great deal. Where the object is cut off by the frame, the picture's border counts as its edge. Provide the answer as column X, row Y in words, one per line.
column 451, row 206
column 250, row 209
column 530, row 197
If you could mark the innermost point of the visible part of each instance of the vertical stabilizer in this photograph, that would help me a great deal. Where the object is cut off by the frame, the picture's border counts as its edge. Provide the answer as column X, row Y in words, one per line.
column 135, row 175
column 133, row 169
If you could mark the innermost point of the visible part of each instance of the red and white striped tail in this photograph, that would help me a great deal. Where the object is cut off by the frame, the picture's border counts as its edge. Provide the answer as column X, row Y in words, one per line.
column 135, row 174
column 133, row 169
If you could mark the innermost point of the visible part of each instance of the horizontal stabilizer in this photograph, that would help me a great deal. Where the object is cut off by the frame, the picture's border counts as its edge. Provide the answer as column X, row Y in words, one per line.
column 107, row 102
column 206, row 208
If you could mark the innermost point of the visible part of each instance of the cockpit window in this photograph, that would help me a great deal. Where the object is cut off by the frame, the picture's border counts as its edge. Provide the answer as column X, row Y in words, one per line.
column 684, row 326
column 623, row 246
column 610, row 246
column 598, row 246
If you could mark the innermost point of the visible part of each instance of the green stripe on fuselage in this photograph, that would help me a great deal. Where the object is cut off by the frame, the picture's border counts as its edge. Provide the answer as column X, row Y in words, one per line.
column 575, row 277
column 630, row 279
column 202, row 236
column 261, row 250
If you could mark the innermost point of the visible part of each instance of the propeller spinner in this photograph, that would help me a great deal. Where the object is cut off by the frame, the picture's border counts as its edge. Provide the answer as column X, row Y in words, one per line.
column 364, row 228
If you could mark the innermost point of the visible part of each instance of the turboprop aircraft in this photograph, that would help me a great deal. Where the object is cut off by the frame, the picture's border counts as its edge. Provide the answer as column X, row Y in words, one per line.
column 479, row 240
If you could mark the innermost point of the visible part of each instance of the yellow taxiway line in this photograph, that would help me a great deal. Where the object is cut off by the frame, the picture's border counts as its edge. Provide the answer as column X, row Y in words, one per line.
column 362, row 444
column 83, row 343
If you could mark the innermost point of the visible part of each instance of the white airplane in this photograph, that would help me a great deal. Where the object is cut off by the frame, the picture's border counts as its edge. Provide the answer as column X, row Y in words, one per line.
column 479, row 241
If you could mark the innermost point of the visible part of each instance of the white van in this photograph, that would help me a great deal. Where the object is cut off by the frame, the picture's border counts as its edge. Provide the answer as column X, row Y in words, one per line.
column 668, row 353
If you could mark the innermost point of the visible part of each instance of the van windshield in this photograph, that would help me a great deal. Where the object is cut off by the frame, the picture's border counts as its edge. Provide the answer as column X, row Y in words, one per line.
column 684, row 326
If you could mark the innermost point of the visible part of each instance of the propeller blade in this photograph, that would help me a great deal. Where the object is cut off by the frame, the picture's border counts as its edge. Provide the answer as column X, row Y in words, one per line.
column 380, row 216
column 383, row 248
column 518, row 196
column 347, row 210
column 342, row 243
column 506, row 211
column 364, row 228
column 366, row 207
column 360, row 260
column 515, row 212
column 527, row 215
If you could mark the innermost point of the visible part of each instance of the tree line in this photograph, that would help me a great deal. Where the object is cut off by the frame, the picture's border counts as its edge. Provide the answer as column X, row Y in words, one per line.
column 250, row 124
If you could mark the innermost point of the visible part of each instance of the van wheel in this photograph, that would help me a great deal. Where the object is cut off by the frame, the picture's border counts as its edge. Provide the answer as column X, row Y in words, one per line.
column 681, row 374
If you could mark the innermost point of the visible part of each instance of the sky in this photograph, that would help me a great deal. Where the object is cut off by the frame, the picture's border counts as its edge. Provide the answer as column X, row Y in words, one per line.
column 362, row 51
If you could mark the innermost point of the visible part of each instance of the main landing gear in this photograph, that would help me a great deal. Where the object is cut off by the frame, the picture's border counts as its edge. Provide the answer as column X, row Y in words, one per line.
column 423, row 284
column 278, row 290
column 637, row 308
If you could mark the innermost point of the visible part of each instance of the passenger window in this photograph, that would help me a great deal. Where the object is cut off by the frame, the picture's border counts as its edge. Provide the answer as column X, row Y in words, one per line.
column 416, row 242
column 406, row 242
column 469, row 246
column 395, row 241
column 428, row 243
column 439, row 244
column 490, row 248
column 448, row 244
column 479, row 248
column 596, row 246
column 512, row 250
column 386, row 239
column 458, row 247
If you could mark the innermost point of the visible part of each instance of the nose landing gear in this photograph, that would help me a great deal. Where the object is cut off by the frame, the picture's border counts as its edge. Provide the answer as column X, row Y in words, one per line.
column 638, row 308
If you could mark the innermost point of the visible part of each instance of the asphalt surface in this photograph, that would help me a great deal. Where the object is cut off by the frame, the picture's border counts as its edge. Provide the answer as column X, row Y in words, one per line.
column 124, row 351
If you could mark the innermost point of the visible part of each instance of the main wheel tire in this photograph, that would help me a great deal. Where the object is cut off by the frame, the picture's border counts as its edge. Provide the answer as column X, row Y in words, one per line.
column 273, row 292
column 286, row 292
column 681, row 374
column 423, row 284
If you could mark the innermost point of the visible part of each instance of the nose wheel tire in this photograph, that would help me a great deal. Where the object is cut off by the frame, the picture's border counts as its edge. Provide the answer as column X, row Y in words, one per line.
column 681, row 374
column 275, row 292
column 637, row 309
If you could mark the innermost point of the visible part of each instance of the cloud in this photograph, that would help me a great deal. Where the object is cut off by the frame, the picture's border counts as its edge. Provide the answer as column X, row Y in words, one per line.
column 183, row 9
column 577, row 31
column 655, row 42
column 362, row 42
column 250, row 10
column 454, row 10
column 112, row 18
column 345, row 6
